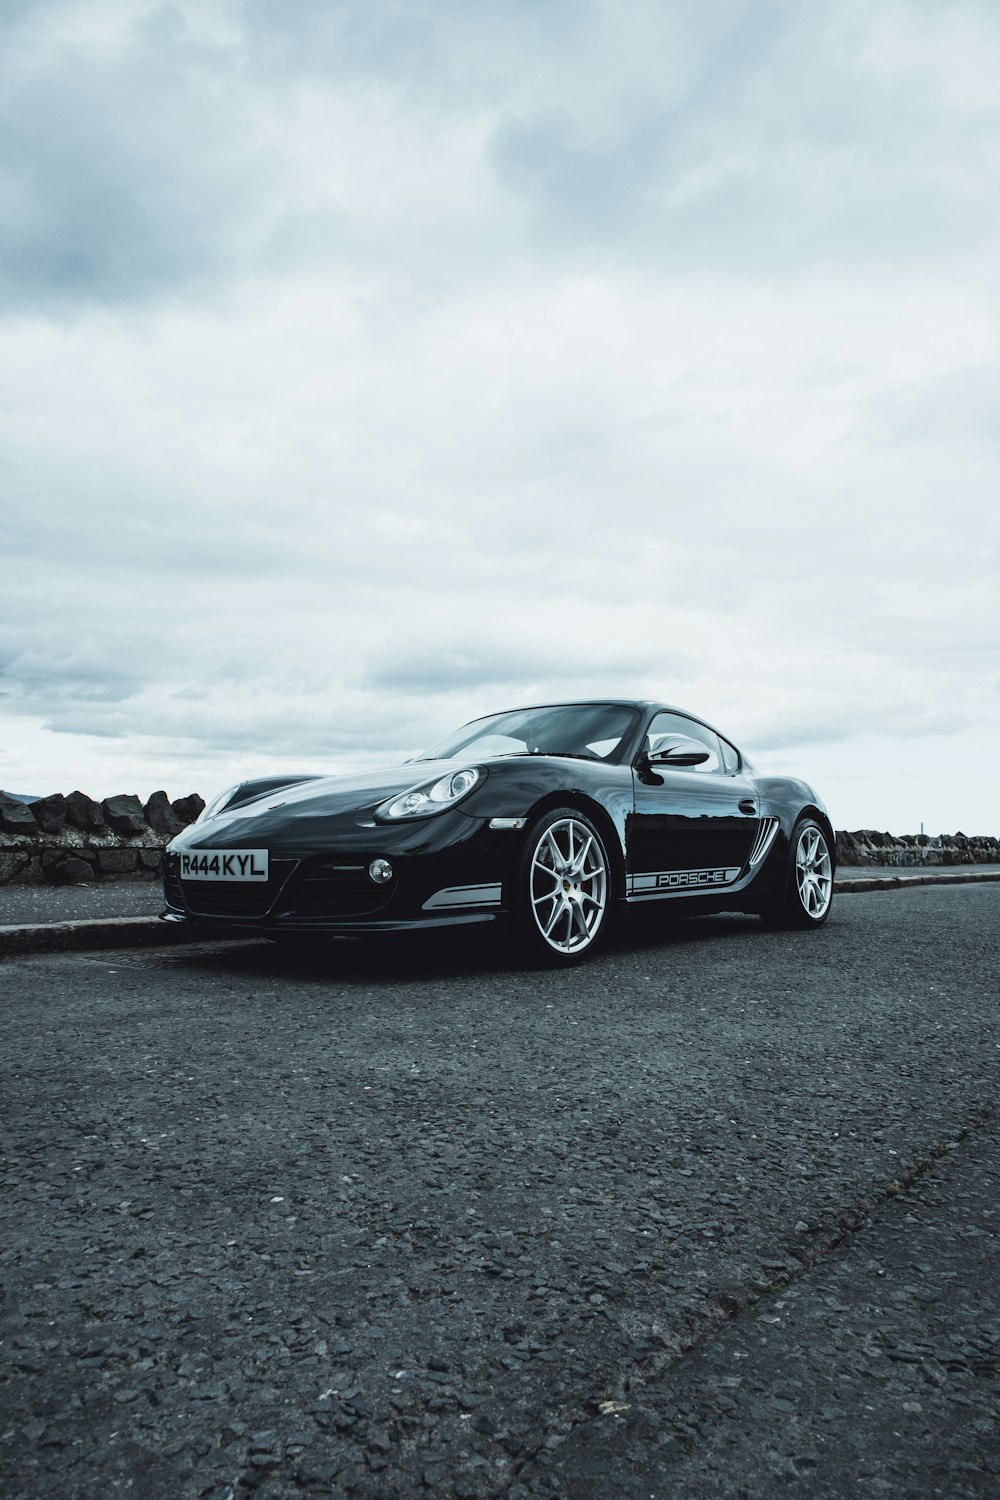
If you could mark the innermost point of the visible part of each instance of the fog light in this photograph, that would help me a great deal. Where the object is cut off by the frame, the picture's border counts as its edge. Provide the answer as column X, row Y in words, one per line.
column 380, row 871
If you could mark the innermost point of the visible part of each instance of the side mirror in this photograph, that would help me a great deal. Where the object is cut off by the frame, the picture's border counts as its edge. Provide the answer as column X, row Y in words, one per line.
column 678, row 751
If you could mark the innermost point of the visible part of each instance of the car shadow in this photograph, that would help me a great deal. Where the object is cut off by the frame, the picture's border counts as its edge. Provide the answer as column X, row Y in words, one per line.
column 470, row 953
column 644, row 929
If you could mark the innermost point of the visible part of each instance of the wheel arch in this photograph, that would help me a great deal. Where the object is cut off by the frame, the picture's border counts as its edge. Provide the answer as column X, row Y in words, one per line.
column 819, row 816
column 772, row 876
column 602, row 821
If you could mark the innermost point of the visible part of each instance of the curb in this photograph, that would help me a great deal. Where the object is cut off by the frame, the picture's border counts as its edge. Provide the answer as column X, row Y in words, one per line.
column 101, row 932
column 151, row 932
column 898, row 882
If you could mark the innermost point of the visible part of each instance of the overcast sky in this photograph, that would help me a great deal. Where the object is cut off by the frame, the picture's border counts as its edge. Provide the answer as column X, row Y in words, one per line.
column 366, row 365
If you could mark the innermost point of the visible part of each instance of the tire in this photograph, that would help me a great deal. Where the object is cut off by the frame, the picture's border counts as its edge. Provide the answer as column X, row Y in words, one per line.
column 563, row 896
column 807, row 893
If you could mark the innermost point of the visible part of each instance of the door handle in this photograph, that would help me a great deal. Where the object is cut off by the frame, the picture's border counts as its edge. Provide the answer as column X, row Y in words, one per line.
column 748, row 805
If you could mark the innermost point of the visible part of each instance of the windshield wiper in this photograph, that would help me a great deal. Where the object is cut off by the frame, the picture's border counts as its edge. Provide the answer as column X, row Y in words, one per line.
column 562, row 754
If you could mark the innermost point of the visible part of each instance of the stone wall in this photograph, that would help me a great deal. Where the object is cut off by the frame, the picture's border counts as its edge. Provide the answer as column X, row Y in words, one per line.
column 867, row 847
column 74, row 840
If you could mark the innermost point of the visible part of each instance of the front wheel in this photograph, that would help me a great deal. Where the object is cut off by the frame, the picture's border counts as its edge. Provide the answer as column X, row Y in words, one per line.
column 807, row 894
column 563, row 889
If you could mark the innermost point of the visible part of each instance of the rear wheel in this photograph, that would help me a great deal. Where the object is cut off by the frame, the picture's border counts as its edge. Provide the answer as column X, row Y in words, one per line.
column 807, row 894
column 564, row 889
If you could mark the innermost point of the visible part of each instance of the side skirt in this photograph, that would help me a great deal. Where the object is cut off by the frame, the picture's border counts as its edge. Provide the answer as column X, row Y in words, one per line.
column 652, row 885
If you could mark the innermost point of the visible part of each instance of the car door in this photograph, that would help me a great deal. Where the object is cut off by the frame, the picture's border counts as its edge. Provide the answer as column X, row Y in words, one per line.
column 693, row 826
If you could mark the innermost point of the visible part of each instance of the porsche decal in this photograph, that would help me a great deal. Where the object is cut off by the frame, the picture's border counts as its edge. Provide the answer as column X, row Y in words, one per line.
column 664, row 882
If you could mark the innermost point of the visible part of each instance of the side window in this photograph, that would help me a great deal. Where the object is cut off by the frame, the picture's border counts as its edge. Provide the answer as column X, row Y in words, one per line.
column 730, row 758
column 665, row 725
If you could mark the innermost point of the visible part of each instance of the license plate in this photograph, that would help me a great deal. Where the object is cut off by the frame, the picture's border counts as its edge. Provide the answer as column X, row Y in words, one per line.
column 225, row 864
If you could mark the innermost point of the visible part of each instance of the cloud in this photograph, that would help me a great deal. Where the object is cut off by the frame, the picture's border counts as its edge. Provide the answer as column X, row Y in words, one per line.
column 132, row 163
column 794, row 142
column 365, row 368
column 502, row 660
column 159, row 152
column 587, row 191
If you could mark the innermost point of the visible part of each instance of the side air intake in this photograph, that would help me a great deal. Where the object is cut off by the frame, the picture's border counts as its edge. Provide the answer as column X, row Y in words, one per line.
column 762, row 843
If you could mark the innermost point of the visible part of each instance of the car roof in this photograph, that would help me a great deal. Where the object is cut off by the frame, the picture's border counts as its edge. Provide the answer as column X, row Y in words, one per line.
column 644, row 705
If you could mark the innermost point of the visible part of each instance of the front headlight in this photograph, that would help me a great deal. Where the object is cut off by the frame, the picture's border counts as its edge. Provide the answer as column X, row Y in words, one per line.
column 217, row 803
column 431, row 797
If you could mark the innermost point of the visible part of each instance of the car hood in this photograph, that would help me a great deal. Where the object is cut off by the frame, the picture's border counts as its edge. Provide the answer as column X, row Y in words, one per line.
column 324, row 796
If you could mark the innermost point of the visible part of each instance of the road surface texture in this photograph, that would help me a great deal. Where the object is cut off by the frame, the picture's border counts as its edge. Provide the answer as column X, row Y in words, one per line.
column 714, row 1215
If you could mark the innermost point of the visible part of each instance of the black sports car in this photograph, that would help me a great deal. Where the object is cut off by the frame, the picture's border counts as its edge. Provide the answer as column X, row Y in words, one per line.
column 552, row 817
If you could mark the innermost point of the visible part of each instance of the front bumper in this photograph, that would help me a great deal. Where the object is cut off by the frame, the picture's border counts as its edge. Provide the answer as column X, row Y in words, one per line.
column 362, row 929
column 449, row 874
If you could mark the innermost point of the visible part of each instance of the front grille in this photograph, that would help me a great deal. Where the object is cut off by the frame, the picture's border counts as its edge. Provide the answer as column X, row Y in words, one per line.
column 221, row 898
column 331, row 889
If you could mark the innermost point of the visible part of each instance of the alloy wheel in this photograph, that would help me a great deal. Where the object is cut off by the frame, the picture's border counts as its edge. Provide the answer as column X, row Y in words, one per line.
column 568, row 885
column 813, row 872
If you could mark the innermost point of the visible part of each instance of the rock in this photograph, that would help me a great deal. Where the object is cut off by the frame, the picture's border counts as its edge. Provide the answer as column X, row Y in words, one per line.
column 117, row 861
column 15, row 817
column 83, row 812
column 50, row 813
column 150, row 859
column 124, row 814
column 76, row 871
column 12, row 863
column 187, row 808
column 160, row 815
column 65, row 866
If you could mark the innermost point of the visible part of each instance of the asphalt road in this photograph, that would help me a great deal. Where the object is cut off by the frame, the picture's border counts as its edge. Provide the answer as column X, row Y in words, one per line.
column 715, row 1215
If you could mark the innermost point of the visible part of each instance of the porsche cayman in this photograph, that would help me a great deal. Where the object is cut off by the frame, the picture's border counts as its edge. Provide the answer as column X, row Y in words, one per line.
column 552, row 818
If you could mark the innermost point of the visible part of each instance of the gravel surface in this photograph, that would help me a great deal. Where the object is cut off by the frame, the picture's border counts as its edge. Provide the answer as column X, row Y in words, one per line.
column 712, row 1215
column 75, row 903
column 875, row 1371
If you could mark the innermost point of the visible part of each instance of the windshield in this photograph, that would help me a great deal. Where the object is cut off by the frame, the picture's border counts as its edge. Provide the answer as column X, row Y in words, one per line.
column 592, row 730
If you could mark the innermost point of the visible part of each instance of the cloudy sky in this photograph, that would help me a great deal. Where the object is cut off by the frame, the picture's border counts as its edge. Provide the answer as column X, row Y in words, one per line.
column 366, row 365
